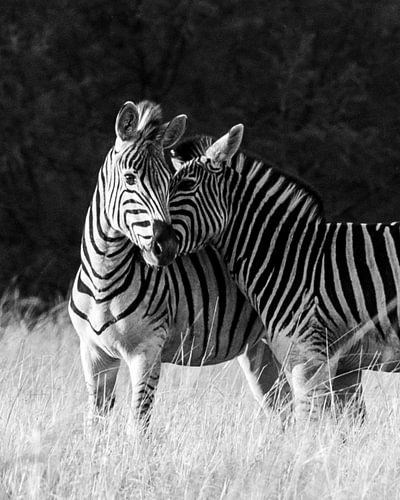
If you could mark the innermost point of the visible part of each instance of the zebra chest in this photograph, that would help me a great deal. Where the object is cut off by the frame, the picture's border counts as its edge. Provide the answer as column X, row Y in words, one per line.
column 118, row 328
column 118, row 308
column 137, row 310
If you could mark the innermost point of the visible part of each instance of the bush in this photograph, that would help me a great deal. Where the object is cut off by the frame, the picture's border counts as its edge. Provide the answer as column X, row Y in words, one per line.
column 316, row 84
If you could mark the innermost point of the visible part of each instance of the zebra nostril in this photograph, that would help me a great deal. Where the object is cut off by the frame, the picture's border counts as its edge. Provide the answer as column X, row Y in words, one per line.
column 158, row 249
column 165, row 244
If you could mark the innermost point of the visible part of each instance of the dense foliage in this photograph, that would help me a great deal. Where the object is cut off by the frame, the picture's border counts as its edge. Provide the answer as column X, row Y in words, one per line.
column 316, row 83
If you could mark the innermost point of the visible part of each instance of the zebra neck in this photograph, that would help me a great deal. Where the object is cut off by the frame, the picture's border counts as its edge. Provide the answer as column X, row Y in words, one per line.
column 113, row 286
column 272, row 220
column 107, row 257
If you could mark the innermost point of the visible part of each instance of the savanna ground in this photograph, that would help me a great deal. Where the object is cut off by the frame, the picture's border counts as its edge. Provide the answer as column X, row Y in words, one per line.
column 207, row 439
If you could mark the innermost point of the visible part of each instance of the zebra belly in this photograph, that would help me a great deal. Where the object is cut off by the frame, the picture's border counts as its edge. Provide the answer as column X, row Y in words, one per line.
column 359, row 291
column 192, row 346
column 355, row 346
column 352, row 345
column 367, row 342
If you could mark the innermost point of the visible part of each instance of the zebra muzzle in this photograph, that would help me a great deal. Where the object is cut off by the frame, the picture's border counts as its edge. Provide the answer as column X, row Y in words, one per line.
column 164, row 245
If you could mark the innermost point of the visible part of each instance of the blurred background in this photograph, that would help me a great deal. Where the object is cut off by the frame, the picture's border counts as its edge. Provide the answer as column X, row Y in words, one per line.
column 315, row 82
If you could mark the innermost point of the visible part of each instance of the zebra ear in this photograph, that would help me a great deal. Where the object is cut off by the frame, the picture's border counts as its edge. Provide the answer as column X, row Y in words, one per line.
column 223, row 149
column 174, row 131
column 127, row 121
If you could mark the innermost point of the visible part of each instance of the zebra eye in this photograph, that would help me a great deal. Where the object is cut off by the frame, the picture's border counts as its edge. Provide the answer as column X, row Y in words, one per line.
column 130, row 179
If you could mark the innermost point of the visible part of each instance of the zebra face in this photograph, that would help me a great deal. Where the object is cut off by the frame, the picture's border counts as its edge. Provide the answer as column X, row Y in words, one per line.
column 138, row 180
column 199, row 196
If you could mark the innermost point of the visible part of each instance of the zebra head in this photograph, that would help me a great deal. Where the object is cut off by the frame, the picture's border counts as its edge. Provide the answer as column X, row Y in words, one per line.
column 199, row 201
column 137, row 179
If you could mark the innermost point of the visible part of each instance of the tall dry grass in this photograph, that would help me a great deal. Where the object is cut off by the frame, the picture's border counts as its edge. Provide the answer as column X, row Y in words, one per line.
column 207, row 438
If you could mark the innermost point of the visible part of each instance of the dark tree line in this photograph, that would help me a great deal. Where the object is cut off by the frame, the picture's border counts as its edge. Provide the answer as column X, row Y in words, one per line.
column 316, row 83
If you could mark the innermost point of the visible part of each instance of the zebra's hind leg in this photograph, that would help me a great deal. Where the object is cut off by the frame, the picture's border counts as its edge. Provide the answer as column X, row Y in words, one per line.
column 266, row 379
column 144, row 368
column 349, row 398
column 100, row 372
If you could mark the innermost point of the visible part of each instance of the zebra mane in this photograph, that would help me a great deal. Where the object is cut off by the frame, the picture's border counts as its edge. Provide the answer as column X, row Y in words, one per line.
column 196, row 146
column 150, row 122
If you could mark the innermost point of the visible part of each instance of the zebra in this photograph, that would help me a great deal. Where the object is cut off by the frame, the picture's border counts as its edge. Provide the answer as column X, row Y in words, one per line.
column 328, row 294
column 188, row 313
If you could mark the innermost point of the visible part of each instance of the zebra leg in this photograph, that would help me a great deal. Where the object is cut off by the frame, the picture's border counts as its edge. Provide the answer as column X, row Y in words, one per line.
column 266, row 378
column 100, row 371
column 144, row 369
column 349, row 396
column 312, row 391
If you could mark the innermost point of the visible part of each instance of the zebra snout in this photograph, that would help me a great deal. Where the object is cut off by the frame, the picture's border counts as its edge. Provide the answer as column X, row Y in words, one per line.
column 165, row 243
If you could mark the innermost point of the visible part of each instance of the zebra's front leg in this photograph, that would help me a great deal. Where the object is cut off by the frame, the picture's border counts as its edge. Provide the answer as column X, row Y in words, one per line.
column 100, row 371
column 144, row 368
column 312, row 389
column 266, row 379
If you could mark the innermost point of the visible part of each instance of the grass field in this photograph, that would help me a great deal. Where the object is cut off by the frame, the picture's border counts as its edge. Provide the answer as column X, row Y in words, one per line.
column 207, row 438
